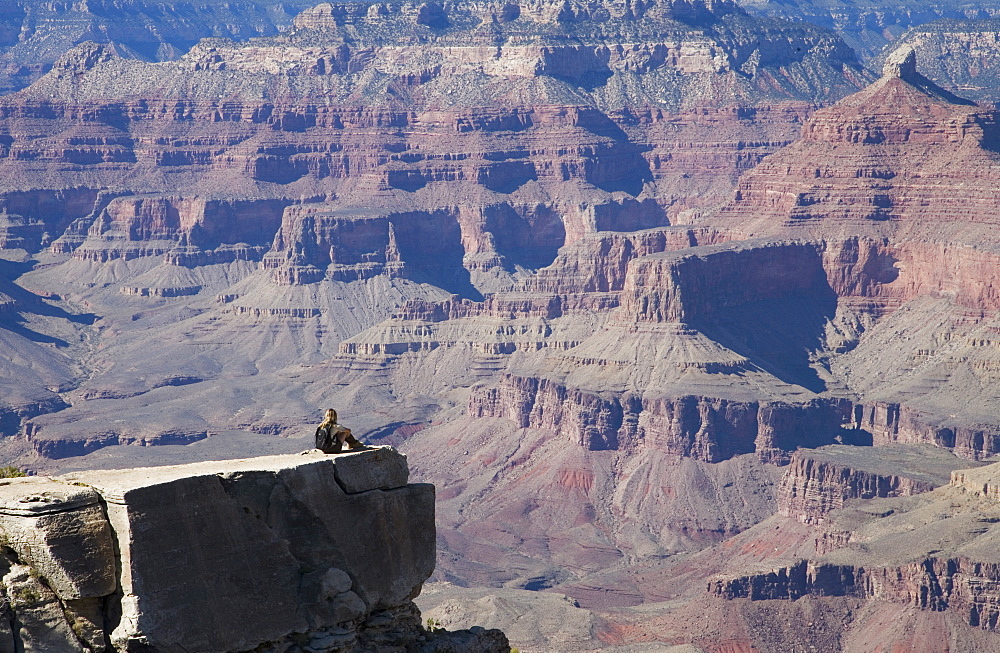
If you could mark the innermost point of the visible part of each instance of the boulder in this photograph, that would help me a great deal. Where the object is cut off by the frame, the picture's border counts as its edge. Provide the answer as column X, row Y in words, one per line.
column 61, row 532
column 309, row 552
column 381, row 469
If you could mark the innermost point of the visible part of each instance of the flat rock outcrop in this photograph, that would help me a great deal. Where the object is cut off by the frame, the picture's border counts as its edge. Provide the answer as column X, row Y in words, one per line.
column 818, row 481
column 284, row 553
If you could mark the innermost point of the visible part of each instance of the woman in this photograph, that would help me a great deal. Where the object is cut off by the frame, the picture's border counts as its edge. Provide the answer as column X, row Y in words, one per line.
column 330, row 436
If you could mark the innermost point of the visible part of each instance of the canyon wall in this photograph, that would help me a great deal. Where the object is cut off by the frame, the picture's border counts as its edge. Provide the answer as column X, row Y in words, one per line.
column 145, row 159
column 959, row 585
column 884, row 550
column 36, row 34
column 705, row 428
column 687, row 285
column 819, row 481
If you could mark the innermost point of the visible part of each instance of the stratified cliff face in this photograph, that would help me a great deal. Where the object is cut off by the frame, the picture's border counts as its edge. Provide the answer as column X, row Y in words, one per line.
column 819, row 481
column 371, row 156
column 242, row 555
column 507, row 240
column 506, row 135
column 683, row 287
column 891, row 551
column 36, row 34
column 705, row 428
column 897, row 182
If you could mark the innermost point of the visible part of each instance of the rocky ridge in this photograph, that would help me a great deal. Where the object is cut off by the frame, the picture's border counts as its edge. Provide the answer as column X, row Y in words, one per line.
column 36, row 34
column 818, row 481
column 869, row 26
column 959, row 55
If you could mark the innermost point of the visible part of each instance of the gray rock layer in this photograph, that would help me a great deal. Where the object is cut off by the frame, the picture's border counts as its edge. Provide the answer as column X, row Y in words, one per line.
column 305, row 553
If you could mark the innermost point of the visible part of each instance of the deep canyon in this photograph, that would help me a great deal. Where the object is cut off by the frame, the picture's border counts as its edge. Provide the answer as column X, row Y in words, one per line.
column 688, row 308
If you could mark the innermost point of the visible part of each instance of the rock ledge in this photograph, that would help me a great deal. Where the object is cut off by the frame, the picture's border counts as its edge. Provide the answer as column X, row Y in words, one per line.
column 289, row 554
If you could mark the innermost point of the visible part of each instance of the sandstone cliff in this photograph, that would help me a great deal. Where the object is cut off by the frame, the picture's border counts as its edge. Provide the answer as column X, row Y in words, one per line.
column 284, row 553
column 935, row 551
column 242, row 123
column 909, row 248
column 819, row 481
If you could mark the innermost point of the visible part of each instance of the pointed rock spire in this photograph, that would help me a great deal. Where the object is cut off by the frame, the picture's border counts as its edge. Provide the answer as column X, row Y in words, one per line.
column 902, row 63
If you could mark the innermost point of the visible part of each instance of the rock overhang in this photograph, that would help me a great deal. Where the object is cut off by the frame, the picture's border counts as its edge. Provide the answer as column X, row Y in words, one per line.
column 183, row 557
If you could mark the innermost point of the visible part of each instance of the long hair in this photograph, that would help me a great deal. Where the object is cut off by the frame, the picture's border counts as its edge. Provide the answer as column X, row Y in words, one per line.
column 330, row 418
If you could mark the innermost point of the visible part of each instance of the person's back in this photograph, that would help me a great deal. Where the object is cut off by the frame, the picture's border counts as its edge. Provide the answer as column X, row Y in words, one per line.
column 331, row 436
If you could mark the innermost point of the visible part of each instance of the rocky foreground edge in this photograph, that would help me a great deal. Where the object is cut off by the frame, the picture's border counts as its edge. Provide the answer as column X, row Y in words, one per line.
column 283, row 554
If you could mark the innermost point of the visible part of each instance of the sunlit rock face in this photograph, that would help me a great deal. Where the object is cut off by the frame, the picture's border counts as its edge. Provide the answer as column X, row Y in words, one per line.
column 184, row 557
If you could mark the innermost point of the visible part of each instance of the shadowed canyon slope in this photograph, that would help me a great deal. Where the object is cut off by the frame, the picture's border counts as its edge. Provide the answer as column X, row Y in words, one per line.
column 603, row 270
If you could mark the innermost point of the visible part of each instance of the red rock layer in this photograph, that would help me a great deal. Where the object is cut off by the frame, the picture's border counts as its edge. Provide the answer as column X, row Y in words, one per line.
column 391, row 153
column 960, row 585
column 678, row 287
column 901, row 159
column 704, row 428
column 811, row 488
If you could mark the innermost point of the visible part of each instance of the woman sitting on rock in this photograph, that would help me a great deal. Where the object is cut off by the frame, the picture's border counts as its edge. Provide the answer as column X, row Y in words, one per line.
column 330, row 436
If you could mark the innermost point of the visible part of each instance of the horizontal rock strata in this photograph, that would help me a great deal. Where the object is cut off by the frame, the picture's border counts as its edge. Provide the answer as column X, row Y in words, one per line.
column 821, row 480
column 704, row 428
column 935, row 551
